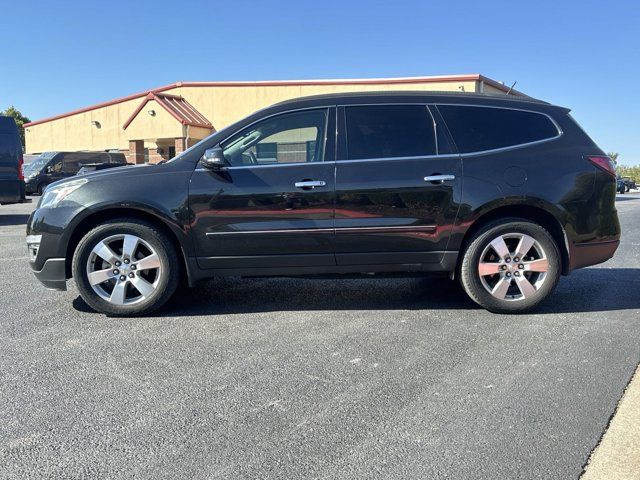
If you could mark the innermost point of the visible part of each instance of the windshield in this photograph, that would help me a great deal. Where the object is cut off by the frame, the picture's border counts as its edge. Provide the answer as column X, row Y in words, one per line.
column 39, row 163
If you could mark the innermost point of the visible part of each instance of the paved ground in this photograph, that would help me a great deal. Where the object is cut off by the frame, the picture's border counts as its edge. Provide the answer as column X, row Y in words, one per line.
column 287, row 378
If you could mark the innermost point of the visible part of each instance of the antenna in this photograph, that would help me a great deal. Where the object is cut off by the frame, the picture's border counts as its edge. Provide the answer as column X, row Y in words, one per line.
column 511, row 88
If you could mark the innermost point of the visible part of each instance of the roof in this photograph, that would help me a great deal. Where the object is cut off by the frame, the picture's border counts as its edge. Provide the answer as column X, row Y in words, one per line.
column 353, row 81
column 417, row 93
column 177, row 106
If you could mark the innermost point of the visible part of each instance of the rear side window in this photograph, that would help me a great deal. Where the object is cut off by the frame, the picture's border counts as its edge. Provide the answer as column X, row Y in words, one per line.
column 476, row 129
column 388, row 131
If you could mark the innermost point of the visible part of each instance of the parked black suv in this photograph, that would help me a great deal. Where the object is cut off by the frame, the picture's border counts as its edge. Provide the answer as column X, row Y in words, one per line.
column 53, row 166
column 11, row 177
column 505, row 194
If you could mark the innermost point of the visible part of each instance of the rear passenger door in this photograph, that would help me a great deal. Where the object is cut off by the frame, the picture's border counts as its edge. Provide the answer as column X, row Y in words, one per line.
column 398, row 186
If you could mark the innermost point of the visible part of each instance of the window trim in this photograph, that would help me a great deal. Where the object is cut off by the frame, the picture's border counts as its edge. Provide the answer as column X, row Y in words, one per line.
column 501, row 149
column 272, row 165
column 395, row 104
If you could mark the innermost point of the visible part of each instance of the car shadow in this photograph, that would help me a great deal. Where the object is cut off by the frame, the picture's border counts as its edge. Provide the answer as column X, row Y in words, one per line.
column 588, row 290
column 620, row 198
column 13, row 219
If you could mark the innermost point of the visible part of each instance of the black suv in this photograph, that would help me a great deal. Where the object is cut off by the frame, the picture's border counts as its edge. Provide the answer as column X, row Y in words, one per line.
column 504, row 194
column 50, row 167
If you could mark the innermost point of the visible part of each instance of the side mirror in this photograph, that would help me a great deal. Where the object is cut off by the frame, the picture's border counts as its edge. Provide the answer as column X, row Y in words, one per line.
column 213, row 159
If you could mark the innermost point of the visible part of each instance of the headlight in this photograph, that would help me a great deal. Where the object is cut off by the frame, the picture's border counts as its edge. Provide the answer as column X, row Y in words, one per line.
column 54, row 195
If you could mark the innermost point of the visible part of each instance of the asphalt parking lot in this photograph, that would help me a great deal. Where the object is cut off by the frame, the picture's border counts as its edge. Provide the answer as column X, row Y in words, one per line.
column 289, row 378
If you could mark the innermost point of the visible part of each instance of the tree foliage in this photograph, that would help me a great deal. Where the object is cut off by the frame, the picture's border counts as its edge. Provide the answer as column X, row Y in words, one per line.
column 19, row 118
column 632, row 171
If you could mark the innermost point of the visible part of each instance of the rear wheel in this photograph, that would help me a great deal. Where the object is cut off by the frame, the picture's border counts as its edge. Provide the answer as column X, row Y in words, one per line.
column 126, row 267
column 510, row 266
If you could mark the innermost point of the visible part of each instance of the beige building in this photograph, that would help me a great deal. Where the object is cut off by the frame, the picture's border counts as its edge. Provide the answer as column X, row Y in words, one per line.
column 160, row 123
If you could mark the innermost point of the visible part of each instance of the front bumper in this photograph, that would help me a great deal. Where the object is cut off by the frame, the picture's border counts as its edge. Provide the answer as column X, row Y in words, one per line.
column 52, row 275
column 30, row 186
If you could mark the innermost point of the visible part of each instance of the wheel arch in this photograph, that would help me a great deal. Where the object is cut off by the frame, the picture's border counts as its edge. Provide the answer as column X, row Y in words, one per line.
column 96, row 218
column 534, row 213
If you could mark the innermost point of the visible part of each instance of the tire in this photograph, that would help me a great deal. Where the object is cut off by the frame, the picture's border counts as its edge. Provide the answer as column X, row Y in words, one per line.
column 126, row 290
column 40, row 189
column 525, row 283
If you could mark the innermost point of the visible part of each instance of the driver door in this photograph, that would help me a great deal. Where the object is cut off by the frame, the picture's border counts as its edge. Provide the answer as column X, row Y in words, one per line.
column 273, row 205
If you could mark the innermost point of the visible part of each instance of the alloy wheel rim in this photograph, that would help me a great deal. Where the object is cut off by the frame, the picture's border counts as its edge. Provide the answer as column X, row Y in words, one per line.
column 513, row 267
column 124, row 269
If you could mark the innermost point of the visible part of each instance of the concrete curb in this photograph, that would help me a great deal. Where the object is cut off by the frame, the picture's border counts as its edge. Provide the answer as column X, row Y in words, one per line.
column 617, row 457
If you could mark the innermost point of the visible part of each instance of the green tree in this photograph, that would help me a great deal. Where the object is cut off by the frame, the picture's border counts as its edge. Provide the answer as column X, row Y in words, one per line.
column 19, row 119
column 614, row 157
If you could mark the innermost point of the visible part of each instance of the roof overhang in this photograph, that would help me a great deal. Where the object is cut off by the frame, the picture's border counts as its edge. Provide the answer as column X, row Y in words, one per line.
column 177, row 107
column 280, row 83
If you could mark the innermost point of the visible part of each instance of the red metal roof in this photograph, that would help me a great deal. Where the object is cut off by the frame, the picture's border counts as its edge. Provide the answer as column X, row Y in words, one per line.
column 177, row 106
column 354, row 81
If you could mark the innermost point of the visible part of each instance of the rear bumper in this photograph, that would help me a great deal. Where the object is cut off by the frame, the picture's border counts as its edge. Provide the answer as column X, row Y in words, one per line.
column 11, row 191
column 52, row 275
column 587, row 254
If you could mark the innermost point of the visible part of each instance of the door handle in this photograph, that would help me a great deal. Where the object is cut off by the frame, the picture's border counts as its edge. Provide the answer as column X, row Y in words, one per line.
column 436, row 179
column 310, row 184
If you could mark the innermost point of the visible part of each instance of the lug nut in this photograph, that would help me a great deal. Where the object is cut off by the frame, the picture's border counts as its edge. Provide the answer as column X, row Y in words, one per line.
column 517, row 274
column 503, row 267
column 133, row 267
column 508, row 274
column 117, row 264
column 516, row 259
column 507, row 259
column 521, row 266
column 116, row 272
column 131, row 275
column 122, row 278
column 126, row 260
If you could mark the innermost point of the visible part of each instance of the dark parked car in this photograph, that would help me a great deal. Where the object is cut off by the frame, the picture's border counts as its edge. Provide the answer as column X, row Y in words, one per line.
column 504, row 194
column 11, row 176
column 625, row 184
column 95, row 167
column 52, row 166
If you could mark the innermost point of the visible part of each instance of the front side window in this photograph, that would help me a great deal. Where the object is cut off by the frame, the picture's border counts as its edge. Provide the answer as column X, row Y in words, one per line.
column 295, row 137
column 388, row 131
column 476, row 129
column 56, row 166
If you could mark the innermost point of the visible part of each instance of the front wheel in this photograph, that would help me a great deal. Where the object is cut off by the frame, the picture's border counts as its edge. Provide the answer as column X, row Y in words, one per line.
column 510, row 266
column 126, row 267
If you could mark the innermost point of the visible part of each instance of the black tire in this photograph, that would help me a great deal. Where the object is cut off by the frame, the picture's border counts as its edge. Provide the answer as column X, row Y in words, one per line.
column 157, row 239
column 469, row 267
column 40, row 189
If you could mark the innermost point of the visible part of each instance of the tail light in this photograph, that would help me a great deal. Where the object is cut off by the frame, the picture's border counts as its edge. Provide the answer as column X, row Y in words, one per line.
column 20, row 164
column 602, row 162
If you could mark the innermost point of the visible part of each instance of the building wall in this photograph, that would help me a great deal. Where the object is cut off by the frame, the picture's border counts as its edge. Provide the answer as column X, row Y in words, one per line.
column 221, row 105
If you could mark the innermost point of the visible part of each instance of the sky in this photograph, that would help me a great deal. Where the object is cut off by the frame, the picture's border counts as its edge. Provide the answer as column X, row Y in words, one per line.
column 585, row 55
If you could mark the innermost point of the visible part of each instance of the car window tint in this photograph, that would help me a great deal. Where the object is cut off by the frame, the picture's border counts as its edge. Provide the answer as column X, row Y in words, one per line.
column 476, row 129
column 71, row 163
column 387, row 131
column 295, row 137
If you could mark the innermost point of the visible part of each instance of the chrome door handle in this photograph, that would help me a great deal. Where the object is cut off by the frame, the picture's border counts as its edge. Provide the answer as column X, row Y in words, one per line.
column 310, row 184
column 439, row 178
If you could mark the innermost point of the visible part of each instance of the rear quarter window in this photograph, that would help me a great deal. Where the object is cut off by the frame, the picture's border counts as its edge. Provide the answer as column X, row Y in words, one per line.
column 476, row 129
